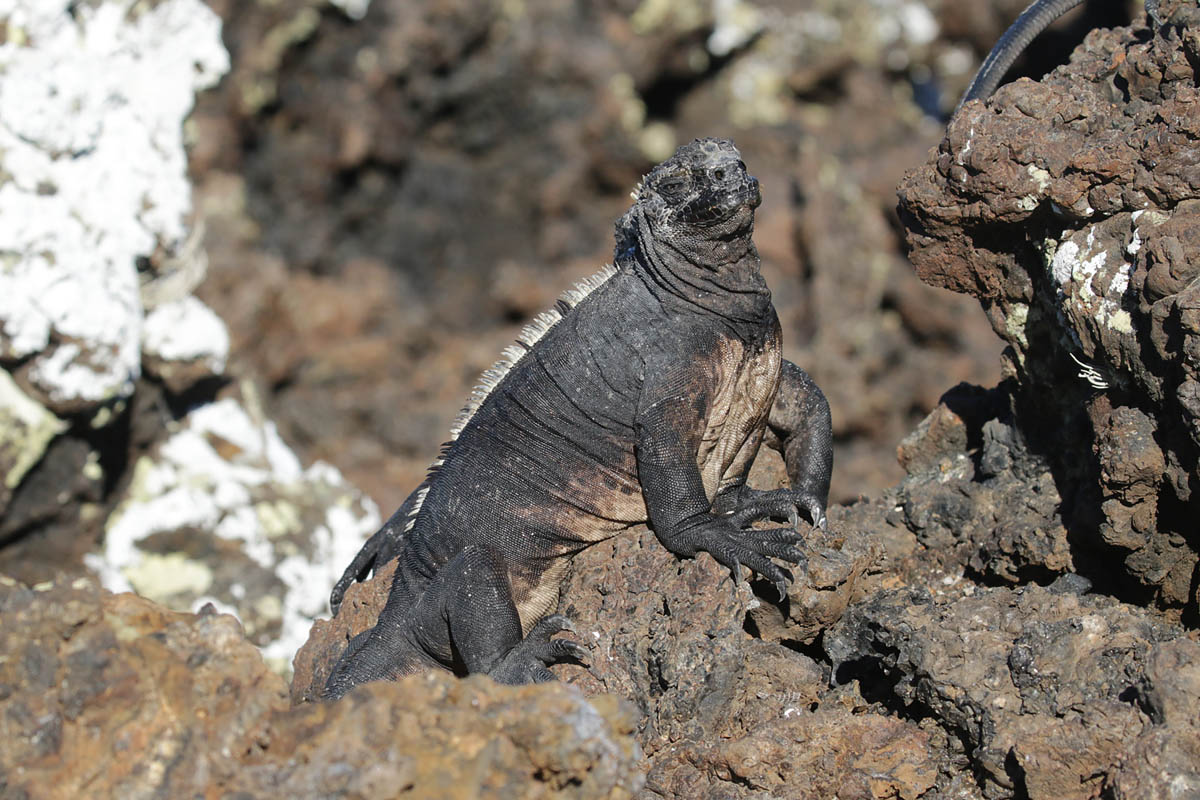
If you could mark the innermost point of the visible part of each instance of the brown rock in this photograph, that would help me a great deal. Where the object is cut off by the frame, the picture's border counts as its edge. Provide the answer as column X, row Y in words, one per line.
column 936, row 442
column 437, row 736
column 1042, row 685
column 1164, row 762
column 113, row 696
column 808, row 755
column 1069, row 211
column 833, row 578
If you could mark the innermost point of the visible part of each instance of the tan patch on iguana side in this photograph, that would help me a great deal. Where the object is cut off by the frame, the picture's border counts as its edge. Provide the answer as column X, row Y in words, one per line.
column 747, row 381
column 593, row 507
column 535, row 592
column 606, row 502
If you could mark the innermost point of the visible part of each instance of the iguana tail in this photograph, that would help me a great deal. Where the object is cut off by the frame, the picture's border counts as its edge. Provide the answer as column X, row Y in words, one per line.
column 384, row 545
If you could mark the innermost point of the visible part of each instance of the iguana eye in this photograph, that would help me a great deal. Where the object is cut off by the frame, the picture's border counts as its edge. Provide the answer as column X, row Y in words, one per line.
column 672, row 186
column 719, row 173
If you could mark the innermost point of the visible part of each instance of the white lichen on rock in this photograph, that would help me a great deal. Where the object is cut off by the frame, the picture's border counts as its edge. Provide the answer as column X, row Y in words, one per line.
column 94, row 177
column 1089, row 283
column 224, row 513
column 26, row 429
column 184, row 341
column 1015, row 324
column 354, row 9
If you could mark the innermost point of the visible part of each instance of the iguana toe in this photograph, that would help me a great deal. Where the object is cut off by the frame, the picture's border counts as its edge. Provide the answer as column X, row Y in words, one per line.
column 540, row 674
column 777, row 504
column 528, row 659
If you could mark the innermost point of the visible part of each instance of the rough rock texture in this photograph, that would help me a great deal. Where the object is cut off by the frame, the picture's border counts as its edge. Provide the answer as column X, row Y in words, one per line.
column 728, row 715
column 114, row 696
column 976, row 493
column 721, row 714
column 1043, row 687
column 436, row 736
column 1069, row 208
column 1163, row 762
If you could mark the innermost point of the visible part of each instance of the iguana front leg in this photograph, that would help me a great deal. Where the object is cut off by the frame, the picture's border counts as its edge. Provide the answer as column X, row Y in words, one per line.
column 679, row 510
column 799, row 427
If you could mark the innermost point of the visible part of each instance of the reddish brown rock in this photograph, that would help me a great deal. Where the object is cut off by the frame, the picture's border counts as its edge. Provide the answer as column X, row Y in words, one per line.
column 805, row 755
column 1068, row 207
column 834, row 576
column 107, row 695
column 1164, row 763
column 435, row 735
column 114, row 696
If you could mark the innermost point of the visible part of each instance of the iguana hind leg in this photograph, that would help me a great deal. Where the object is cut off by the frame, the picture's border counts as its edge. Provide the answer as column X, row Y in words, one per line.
column 464, row 620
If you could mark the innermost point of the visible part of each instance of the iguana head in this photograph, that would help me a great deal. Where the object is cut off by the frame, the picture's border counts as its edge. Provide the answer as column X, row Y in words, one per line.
column 704, row 187
column 690, row 233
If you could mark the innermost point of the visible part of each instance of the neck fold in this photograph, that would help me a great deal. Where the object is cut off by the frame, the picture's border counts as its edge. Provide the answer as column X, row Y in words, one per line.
column 716, row 276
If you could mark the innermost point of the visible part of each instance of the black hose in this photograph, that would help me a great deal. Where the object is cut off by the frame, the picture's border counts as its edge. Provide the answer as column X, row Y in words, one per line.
column 1033, row 20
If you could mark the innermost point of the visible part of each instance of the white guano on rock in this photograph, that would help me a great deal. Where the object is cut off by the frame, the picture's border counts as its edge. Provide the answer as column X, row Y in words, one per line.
column 94, row 178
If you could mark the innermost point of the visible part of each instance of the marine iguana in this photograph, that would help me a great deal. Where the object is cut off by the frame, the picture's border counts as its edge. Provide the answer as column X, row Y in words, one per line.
column 644, row 396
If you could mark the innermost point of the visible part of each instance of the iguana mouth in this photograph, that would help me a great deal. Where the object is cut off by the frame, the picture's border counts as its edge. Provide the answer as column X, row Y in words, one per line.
column 715, row 207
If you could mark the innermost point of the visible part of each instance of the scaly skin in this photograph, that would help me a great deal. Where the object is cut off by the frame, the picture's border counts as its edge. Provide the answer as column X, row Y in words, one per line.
column 647, row 402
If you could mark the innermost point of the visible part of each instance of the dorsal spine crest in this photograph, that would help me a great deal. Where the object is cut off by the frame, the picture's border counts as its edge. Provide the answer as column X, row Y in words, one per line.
column 530, row 335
